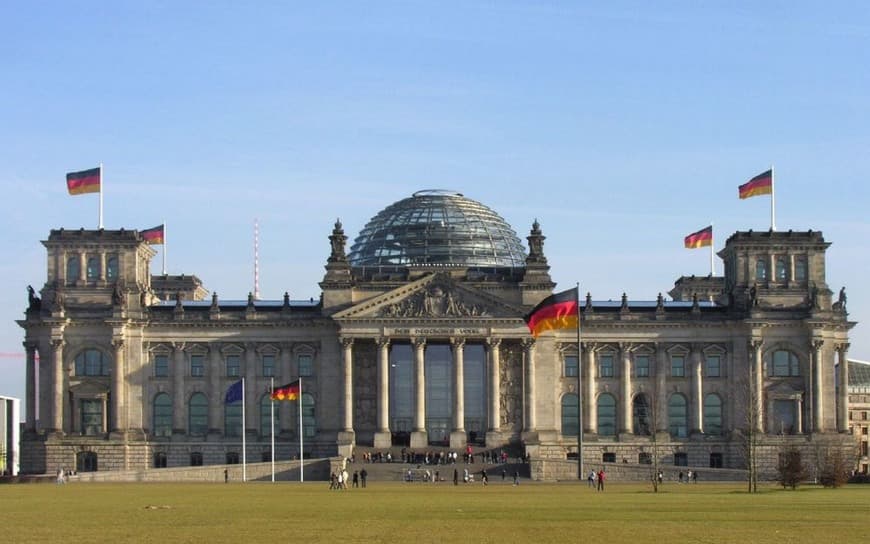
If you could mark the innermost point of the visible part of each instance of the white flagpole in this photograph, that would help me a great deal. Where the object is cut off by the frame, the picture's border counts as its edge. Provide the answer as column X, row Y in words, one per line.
column 244, row 441
column 272, row 405
column 164, row 248
column 101, row 195
column 579, row 391
column 301, row 434
column 712, row 243
column 772, row 201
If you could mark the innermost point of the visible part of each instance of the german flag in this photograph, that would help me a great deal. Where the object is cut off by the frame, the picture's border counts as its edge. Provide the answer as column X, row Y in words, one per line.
column 290, row 391
column 558, row 311
column 762, row 184
column 86, row 181
column 153, row 236
column 702, row 238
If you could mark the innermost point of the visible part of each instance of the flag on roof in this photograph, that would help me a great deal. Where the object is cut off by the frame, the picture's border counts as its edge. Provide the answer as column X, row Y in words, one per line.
column 85, row 181
column 153, row 236
column 762, row 184
column 702, row 238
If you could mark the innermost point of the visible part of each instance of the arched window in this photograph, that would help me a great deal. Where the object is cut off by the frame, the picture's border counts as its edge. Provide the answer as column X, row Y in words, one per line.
column 800, row 269
column 197, row 414
column 781, row 270
column 761, row 270
column 309, row 423
column 678, row 420
column 162, row 415
column 266, row 415
column 570, row 412
column 640, row 415
column 112, row 267
column 93, row 268
column 785, row 363
column 606, row 414
column 92, row 362
column 233, row 419
column 713, row 414
column 73, row 269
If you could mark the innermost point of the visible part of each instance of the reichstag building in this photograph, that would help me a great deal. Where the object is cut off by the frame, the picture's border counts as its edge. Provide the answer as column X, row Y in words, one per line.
column 417, row 340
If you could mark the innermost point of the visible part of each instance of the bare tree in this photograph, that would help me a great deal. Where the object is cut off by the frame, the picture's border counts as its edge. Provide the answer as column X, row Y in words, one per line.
column 791, row 468
column 748, row 431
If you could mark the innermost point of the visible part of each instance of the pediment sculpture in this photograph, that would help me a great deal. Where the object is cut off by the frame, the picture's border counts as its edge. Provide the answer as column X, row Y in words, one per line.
column 434, row 301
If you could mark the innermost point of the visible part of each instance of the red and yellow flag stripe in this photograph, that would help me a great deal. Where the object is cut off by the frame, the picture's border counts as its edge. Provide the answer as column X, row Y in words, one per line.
column 762, row 184
column 290, row 391
column 702, row 238
column 558, row 311
column 86, row 181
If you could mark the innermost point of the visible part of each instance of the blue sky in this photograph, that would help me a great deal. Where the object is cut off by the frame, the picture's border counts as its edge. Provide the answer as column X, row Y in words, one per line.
column 620, row 128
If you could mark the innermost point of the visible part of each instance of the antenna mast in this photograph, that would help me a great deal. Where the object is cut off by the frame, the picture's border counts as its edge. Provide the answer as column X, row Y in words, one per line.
column 256, row 259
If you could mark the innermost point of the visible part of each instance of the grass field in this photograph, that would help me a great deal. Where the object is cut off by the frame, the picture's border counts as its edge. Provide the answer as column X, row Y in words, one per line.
column 418, row 512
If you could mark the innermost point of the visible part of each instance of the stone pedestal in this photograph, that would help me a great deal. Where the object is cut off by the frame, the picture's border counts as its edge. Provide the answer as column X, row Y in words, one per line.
column 419, row 439
column 383, row 440
column 346, row 440
column 458, row 440
column 494, row 439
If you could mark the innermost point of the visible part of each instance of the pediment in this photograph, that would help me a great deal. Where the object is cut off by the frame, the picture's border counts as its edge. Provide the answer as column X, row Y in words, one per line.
column 783, row 389
column 432, row 297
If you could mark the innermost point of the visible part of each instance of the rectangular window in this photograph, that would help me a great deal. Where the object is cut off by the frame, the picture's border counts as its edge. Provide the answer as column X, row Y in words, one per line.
column 197, row 365
column 304, row 365
column 713, row 366
column 233, row 364
column 571, row 366
column 268, row 365
column 161, row 366
column 644, row 458
column 608, row 457
column 92, row 416
column 681, row 459
column 605, row 366
column 715, row 460
column 678, row 366
column 641, row 366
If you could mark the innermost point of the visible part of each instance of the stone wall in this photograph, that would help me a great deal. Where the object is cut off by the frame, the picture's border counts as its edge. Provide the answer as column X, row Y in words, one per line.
column 285, row 471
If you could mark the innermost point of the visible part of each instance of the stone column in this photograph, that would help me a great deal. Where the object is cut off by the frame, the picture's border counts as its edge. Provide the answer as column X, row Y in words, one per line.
column 30, row 388
column 83, row 268
column 252, row 392
column 216, row 370
column 661, row 400
column 697, row 402
column 178, row 396
column 383, row 436
column 57, row 396
column 529, row 400
column 799, row 410
column 119, row 419
column 285, row 416
column 758, row 386
column 458, row 438
column 347, row 365
column 818, row 419
column 843, row 393
column 625, row 423
column 591, row 404
column 419, row 439
column 102, row 266
column 494, row 345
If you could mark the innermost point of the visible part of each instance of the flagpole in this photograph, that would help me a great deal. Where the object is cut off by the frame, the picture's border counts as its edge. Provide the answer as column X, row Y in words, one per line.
column 272, row 405
column 244, row 442
column 712, row 243
column 301, row 434
column 772, row 201
column 579, row 391
column 101, row 195
column 164, row 248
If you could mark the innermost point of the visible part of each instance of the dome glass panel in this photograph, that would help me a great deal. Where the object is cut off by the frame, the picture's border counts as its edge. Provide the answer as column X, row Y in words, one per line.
column 437, row 228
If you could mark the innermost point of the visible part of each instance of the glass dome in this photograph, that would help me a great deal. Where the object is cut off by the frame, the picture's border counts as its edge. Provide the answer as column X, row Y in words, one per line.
column 436, row 227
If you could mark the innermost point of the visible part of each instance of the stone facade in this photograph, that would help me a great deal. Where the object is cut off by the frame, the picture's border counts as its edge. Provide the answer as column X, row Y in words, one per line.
column 422, row 355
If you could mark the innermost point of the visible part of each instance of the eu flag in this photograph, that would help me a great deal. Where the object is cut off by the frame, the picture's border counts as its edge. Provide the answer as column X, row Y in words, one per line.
column 234, row 393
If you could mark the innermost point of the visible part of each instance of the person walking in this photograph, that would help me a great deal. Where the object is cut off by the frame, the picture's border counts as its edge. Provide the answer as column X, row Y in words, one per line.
column 455, row 476
column 362, row 476
column 355, row 478
column 602, row 476
column 516, row 478
column 591, row 479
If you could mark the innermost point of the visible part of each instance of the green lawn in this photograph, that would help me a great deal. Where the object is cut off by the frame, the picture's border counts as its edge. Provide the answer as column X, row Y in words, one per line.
column 391, row 512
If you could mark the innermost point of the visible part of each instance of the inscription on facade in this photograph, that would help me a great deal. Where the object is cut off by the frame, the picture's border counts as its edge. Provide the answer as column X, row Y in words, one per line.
column 436, row 331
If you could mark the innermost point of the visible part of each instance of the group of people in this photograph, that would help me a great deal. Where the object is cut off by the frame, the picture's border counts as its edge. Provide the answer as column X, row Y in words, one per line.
column 435, row 457
column 338, row 480
column 689, row 476
column 596, row 479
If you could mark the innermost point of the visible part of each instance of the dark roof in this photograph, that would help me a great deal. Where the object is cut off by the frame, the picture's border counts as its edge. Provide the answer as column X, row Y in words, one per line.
column 859, row 373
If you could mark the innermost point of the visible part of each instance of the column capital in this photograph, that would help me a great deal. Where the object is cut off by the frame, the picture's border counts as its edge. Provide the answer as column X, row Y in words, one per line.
column 383, row 341
column 756, row 343
column 118, row 343
column 57, row 343
column 178, row 346
column 817, row 344
column 843, row 347
column 30, row 346
column 528, row 343
column 589, row 346
column 346, row 342
column 625, row 346
column 418, row 342
column 457, row 341
column 286, row 346
column 493, row 342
